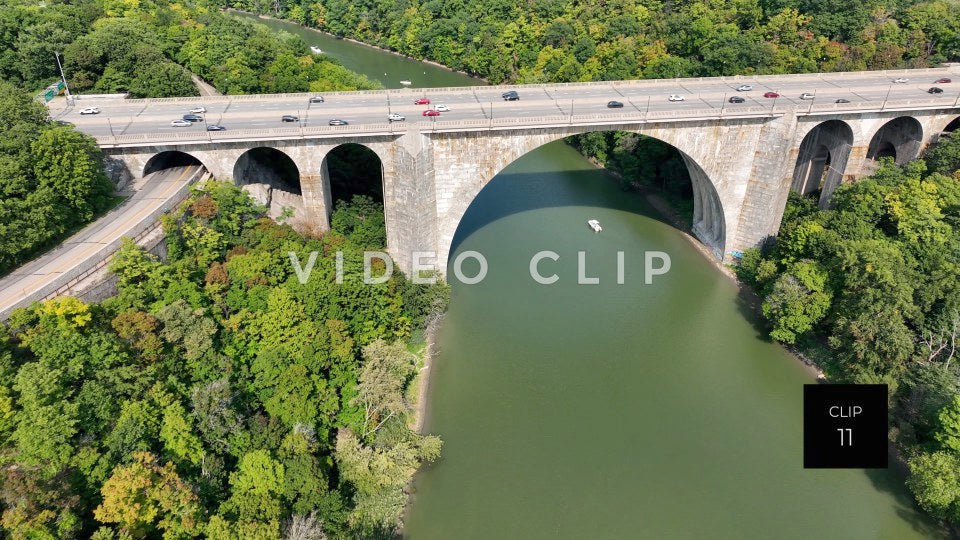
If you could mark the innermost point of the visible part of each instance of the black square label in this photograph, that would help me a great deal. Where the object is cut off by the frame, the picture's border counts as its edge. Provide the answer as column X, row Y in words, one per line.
column 845, row 426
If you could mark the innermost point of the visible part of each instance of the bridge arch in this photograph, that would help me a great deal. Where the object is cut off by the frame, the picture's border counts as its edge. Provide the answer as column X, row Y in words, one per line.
column 899, row 138
column 170, row 158
column 710, row 222
column 953, row 125
column 353, row 169
column 267, row 165
column 822, row 159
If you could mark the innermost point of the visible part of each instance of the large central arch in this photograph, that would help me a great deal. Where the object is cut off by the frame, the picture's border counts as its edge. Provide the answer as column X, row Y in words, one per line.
column 709, row 218
column 822, row 160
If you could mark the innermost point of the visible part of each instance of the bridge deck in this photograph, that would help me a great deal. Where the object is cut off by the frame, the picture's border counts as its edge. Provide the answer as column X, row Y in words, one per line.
column 140, row 122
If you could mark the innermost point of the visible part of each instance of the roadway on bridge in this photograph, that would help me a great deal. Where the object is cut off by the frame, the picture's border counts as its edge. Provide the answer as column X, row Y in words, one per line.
column 82, row 251
column 134, row 117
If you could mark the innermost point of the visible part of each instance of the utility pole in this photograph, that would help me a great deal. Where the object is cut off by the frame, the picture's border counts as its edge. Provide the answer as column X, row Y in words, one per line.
column 884, row 105
column 66, row 88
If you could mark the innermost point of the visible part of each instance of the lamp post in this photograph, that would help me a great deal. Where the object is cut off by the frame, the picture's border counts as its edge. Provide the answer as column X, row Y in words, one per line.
column 63, row 77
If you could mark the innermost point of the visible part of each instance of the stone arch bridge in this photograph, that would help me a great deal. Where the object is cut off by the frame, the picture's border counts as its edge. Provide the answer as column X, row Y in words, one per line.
column 742, row 160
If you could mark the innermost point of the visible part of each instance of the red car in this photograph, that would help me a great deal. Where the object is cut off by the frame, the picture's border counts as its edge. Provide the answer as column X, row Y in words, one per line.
column 942, row 81
column 431, row 112
column 771, row 94
column 422, row 101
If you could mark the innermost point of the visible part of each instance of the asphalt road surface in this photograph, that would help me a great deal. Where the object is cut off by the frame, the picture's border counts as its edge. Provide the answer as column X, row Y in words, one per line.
column 96, row 241
column 136, row 117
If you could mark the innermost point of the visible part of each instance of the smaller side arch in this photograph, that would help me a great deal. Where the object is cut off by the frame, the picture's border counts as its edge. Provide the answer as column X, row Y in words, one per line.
column 822, row 160
column 170, row 159
column 900, row 138
column 266, row 165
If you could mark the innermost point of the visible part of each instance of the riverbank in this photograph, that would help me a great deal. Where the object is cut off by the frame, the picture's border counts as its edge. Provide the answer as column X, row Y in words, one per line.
column 422, row 383
column 361, row 43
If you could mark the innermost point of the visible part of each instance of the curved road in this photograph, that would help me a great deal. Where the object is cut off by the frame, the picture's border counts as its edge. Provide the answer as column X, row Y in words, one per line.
column 90, row 248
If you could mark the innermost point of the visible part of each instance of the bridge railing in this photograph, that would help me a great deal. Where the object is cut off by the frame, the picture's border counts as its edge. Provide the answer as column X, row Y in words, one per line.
column 623, row 116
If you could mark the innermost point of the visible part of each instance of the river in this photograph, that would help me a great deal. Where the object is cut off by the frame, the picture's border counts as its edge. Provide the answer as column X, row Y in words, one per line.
column 607, row 410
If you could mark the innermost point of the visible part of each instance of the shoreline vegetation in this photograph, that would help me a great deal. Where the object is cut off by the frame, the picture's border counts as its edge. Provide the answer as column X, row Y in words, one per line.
column 232, row 400
column 357, row 42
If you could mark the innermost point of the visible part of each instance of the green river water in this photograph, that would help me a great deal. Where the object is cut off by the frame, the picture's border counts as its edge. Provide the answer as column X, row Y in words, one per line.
column 612, row 411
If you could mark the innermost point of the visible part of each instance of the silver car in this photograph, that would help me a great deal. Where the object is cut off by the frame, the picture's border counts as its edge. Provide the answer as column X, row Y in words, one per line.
column 745, row 88
column 181, row 123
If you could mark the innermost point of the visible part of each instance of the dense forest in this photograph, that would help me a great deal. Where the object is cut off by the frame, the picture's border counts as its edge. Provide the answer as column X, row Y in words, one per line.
column 870, row 291
column 150, row 49
column 558, row 40
column 51, row 178
column 215, row 394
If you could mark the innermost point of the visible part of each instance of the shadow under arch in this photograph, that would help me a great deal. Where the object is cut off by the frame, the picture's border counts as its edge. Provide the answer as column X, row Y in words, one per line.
column 265, row 165
column 353, row 169
column 708, row 224
column 169, row 159
column 822, row 160
column 953, row 126
column 899, row 138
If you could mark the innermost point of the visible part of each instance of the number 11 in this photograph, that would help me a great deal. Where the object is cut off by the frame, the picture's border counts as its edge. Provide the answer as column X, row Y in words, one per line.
column 848, row 440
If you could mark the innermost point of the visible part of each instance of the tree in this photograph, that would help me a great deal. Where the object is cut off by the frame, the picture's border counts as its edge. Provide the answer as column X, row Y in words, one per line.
column 379, row 476
column 383, row 378
column 944, row 157
column 935, row 482
column 949, row 434
column 255, row 490
column 163, row 79
column 145, row 496
column 797, row 301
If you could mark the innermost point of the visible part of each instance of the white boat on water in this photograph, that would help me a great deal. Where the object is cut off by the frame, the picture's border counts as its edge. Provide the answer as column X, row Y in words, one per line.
column 406, row 83
column 595, row 225
column 315, row 50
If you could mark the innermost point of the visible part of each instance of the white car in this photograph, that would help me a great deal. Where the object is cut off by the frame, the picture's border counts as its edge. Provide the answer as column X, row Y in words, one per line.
column 806, row 95
column 745, row 88
column 675, row 97
column 90, row 110
column 901, row 80
column 181, row 123
column 442, row 108
column 198, row 110
column 394, row 117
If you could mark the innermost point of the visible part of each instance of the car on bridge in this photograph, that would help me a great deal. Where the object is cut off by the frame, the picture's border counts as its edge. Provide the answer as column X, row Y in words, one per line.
column 934, row 90
column 842, row 100
column 289, row 118
column 614, row 105
column 316, row 99
column 181, row 123
column 771, row 94
column 395, row 117
column 745, row 88
column 338, row 122
column 198, row 110
column 942, row 81
column 511, row 95
column 192, row 118
column 806, row 95
column 736, row 99
column 421, row 101
column 431, row 112
column 901, row 80
column 215, row 127
column 442, row 108
column 675, row 97
column 90, row 110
